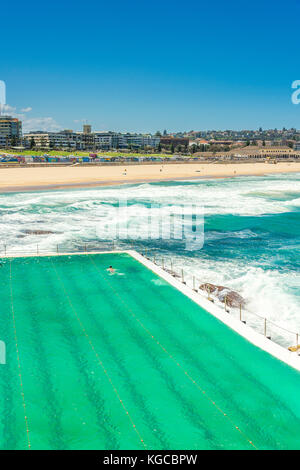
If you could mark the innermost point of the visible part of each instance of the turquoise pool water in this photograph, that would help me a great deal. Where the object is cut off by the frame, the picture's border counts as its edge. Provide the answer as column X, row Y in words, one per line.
column 251, row 232
column 125, row 361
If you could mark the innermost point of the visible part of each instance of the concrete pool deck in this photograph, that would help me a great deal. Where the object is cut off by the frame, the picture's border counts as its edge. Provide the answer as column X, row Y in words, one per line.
column 281, row 353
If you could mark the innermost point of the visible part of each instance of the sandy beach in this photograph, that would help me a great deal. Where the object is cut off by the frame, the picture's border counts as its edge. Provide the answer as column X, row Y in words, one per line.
column 39, row 178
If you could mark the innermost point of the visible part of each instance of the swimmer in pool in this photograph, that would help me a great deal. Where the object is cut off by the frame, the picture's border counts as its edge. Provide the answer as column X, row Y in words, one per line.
column 111, row 270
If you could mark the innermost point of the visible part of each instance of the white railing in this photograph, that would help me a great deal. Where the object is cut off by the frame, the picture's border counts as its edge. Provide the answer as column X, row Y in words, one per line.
column 261, row 324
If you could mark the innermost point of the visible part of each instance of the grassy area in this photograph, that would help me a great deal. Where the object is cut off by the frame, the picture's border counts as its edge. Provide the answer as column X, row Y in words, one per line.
column 65, row 153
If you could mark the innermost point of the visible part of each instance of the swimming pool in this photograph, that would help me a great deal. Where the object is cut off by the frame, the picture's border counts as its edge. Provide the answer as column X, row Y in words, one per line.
column 126, row 361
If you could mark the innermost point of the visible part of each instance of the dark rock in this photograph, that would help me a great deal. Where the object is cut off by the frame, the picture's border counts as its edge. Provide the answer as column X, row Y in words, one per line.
column 39, row 232
column 233, row 299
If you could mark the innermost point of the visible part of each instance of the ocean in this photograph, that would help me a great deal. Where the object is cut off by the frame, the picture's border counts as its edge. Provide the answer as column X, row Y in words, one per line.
column 251, row 231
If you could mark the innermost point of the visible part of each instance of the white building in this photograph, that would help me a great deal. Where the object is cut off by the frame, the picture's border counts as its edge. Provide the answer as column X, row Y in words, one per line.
column 70, row 140
column 66, row 139
column 10, row 131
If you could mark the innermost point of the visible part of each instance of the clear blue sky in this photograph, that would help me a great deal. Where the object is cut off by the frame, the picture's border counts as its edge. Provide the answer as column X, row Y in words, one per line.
column 149, row 65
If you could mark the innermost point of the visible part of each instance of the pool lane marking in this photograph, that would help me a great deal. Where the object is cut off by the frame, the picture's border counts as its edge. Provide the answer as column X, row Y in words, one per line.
column 172, row 357
column 98, row 358
column 18, row 358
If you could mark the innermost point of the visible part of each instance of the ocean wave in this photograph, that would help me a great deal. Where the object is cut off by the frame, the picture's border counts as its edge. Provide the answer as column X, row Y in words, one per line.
column 252, row 211
column 247, row 233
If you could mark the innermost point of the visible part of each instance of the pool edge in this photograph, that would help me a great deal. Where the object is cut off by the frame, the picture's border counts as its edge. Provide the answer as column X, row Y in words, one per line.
column 257, row 339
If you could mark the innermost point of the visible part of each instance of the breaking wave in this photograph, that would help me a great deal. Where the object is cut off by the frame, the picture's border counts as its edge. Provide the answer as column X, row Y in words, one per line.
column 251, row 230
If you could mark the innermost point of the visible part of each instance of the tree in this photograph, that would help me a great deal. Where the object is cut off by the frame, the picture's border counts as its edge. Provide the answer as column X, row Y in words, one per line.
column 32, row 143
column 14, row 141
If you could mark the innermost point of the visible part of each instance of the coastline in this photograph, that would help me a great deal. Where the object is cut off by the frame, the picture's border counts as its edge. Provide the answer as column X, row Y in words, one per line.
column 68, row 177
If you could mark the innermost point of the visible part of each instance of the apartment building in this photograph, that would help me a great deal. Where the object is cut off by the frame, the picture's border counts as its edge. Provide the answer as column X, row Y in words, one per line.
column 135, row 140
column 70, row 140
column 66, row 139
column 10, row 131
column 297, row 146
column 104, row 140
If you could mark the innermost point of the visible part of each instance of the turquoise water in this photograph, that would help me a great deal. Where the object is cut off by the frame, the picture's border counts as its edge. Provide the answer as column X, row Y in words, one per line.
column 126, row 361
column 252, row 231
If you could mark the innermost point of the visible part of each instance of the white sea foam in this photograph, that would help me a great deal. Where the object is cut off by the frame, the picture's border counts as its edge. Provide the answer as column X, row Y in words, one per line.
column 78, row 216
column 269, row 293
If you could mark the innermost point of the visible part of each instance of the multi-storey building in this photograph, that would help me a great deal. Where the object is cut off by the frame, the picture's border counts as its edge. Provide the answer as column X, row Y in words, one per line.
column 66, row 139
column 70, row 140
column 10, row 131
column 104, row 140
column 135, row 141
column 87, row 128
